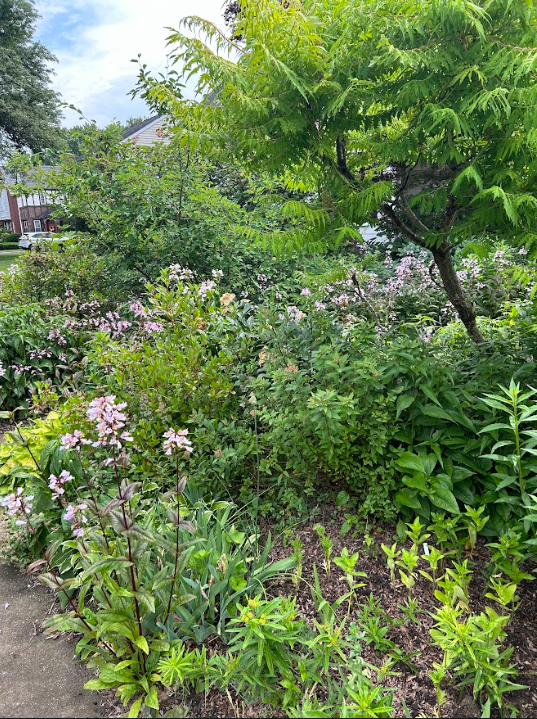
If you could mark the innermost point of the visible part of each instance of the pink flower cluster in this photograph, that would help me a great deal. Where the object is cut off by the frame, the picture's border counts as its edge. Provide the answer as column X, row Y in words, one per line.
column 176, row 441
column 113, row 324
column 40, row 354
column 177, row 273
column 206, row 287
column 57, row 335
column 75, row 515
column 56, row 484
column 153, row 327
column 74, row 440
column 294, row 314
column 16, row 503
column 110, row 421
column 138, row 310
column 21, row 369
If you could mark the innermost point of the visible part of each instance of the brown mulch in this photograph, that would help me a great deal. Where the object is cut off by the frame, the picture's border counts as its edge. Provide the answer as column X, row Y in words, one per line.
column 414, row 694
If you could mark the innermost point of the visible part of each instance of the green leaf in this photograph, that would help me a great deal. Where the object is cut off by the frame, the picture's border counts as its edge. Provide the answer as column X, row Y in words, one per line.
column 410, row 461
column 408, row 498
column 151, row 699
column 403, row 402
column 98, row 684
column 445, row 499
column 141, row 643
column 135, row 708
column 416, row 482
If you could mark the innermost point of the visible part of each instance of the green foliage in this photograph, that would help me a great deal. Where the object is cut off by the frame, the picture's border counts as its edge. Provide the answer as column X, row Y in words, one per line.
column 75, row 267
column 35, row 346
column 107, row 542
column 144, row 208
column 334, row 95
column 472, row 651
column 29, row 105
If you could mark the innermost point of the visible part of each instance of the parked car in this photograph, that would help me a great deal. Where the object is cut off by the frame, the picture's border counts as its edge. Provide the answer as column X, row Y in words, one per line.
column 34, row 239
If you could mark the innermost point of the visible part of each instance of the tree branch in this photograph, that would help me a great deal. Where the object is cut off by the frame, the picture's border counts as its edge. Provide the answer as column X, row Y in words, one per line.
column 405, row 229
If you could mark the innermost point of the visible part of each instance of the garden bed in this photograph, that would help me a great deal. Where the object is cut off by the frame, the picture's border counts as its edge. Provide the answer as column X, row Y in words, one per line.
column 414, row 693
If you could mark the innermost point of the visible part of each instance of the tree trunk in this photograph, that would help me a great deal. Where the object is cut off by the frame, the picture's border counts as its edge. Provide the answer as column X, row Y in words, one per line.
column 454, row 291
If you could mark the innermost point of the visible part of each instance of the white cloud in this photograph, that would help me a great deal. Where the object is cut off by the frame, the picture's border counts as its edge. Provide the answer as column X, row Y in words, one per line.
column 95, row 41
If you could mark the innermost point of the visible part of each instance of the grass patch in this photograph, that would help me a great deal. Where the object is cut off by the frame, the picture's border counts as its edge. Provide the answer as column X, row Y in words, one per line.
column 7, row 259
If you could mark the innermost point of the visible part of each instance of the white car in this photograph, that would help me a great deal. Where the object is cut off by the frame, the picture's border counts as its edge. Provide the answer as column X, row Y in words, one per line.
column 31, row 239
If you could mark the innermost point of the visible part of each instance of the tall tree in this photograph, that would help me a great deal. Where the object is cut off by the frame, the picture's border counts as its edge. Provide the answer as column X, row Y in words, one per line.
column 421, row 111
column 28, row 106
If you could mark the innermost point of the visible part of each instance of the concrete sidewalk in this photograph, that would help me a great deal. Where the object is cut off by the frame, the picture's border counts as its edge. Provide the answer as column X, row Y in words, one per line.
column 39, row 677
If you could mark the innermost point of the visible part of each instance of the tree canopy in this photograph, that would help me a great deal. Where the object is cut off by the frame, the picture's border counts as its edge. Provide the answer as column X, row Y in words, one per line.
column 422, row 112
column 28, row 106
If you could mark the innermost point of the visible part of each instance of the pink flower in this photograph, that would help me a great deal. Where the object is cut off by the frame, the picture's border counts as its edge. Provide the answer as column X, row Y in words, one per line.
column 56, row 484
column 74, row 440
column 294, row 314
column 306, row 291
column 76, row 517
column 177, row 440
column 153, row 327
column 16, row 503
column 139, row 310
column 110, row 420
column 206, row 287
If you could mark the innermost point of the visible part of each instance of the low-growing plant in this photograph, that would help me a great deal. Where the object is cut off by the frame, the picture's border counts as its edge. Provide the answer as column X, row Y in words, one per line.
column 326, row 545
column 473, row 654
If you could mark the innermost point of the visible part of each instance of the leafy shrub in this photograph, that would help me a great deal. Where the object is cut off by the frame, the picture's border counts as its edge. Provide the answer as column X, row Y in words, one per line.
column 75, row 267
column 8, row 237
column 34, row 346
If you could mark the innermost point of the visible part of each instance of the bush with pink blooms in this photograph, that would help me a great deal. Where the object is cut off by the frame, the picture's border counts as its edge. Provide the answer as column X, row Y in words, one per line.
column 139, row 561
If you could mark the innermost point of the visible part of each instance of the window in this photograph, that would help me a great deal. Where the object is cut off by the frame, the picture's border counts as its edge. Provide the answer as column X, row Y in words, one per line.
column 25, row 225
column 37, row 226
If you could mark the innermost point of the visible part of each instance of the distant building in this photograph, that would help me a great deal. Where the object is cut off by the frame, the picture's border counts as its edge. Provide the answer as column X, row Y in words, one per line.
column 27, row 213
column 148, row 133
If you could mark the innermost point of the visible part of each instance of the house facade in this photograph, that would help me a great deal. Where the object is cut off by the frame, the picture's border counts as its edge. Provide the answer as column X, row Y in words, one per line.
column 148, row 133
column 26, row 213
column 9, row 212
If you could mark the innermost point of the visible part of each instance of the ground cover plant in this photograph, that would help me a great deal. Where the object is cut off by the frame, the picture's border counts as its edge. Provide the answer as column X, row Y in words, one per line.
column 267, row 468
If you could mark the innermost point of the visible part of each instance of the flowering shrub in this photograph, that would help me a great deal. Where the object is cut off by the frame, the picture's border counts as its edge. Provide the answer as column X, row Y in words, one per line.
column 174, row 362
column 34, row 346
column 139, row 564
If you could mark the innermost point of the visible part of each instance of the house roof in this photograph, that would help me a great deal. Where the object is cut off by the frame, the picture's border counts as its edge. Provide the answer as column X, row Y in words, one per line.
column 135, row 129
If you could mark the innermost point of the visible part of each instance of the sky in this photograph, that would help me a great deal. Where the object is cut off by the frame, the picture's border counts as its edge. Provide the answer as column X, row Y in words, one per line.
column 95, row 41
